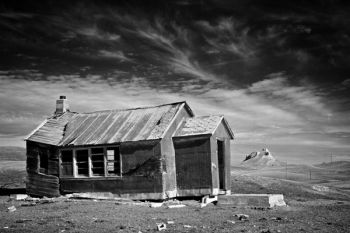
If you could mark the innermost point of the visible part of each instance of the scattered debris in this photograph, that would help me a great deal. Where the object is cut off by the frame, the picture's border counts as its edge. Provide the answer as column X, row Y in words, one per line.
column 97, row 220
column 155, row 204
column 187, row 226
column 176, row 206
column 6, row 227
column 242, row 217
column 320, row 188
column 161, row 226
column 30, row 201
column 23, row 220
column 276, row 218
column 265, row 231
column 28, row 204
column 18, row 197
column 46, row 200
column 11, row 208
column 207, row 199
column 260, row 208
column 230, row 221
column 170, row 222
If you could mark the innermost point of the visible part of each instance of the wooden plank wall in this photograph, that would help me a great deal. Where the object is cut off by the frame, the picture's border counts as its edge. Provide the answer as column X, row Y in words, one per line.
column 39, row 184
column 168, row 154
column 42, row 185
column 193, row 163
column 221, row 134
column 141, row 173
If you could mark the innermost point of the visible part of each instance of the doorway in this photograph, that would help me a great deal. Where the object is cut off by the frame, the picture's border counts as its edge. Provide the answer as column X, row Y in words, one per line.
column 221, row 163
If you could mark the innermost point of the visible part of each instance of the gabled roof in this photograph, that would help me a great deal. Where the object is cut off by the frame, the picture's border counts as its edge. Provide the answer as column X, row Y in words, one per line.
column 202, row 125
column 107, row 127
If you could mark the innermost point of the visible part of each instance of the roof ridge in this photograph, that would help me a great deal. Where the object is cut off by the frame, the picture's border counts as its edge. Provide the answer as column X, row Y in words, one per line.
column 218, row 115
column 128, row 109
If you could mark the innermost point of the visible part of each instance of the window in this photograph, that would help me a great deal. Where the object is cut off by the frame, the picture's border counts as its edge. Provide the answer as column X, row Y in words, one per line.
column 43, row 160
column 113, row 161
column 97, row 162
column 91, row 162
column 82, row 160
column 67, row 163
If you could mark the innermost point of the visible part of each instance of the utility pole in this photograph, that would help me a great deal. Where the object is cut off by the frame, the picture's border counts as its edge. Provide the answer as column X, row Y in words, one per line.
column 331, row 158
column 310, row 174
column 286, row 169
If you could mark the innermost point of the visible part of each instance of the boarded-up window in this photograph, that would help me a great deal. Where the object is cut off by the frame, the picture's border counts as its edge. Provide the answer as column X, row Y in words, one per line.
column 82, row 158
column 67, row 163
column 113, row 161
column 43, row 160
column 97, row 162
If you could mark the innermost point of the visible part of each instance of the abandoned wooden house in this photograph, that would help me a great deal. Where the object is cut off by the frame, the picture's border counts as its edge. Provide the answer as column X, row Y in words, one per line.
column 154, row 152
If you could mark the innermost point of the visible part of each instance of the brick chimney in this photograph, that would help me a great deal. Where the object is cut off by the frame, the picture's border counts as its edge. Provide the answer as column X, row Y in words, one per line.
column 62, row 105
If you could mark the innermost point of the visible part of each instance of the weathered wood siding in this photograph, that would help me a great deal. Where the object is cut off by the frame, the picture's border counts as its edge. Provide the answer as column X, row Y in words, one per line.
column 168, row 154
column 44, row 182
column 141, row 174
column 42, row 185
column 193, row 165
column 221, row 134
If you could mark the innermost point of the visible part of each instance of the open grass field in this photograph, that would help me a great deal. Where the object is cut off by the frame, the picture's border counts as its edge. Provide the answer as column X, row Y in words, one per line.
column 12, row 167
column 335, row 175
column 12, row 174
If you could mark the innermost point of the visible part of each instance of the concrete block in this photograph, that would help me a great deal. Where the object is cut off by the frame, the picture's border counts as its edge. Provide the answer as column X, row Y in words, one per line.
column 256, row 200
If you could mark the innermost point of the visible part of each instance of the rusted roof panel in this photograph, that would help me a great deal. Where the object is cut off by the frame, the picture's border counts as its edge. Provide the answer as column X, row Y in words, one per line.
column 201, row 125
column 108, row 127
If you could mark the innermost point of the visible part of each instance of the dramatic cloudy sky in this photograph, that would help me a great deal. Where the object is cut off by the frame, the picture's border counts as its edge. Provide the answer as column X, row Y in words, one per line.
column 278, row 71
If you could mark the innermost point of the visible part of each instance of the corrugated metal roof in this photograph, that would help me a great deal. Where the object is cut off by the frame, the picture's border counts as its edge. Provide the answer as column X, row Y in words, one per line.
column 201, row 125
column 51, row 131
column 107, row 127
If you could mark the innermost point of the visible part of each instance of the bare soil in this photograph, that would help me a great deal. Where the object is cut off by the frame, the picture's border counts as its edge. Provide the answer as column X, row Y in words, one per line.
column 106, row 216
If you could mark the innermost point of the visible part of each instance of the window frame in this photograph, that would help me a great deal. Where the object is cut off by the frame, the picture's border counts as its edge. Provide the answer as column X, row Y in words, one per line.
column 61, row 163
column 113, row 161
column 90, row 162
column 43, row 159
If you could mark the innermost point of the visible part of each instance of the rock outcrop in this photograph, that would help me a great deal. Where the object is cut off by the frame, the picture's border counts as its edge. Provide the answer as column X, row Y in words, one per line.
column 261, row 158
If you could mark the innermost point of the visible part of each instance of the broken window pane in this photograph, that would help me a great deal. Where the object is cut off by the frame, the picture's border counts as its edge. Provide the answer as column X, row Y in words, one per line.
column 97, row 161
column 113, row 161
column 82, row 158
column 67, row 163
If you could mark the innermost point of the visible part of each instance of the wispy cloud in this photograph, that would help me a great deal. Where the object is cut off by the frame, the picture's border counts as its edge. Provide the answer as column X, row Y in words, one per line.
column 302, row 97
column 177, row 45
column 95, row 33
column 114, row 54
column 227, row 36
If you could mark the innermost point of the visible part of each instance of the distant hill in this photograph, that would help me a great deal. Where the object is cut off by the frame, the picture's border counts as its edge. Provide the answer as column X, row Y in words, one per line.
column 12, row 153
column 336, row 164
column 260, row 159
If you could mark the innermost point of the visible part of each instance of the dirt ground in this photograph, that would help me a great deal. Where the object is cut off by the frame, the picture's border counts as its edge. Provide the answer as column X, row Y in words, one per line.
column 66, row 215
column 308, row 210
